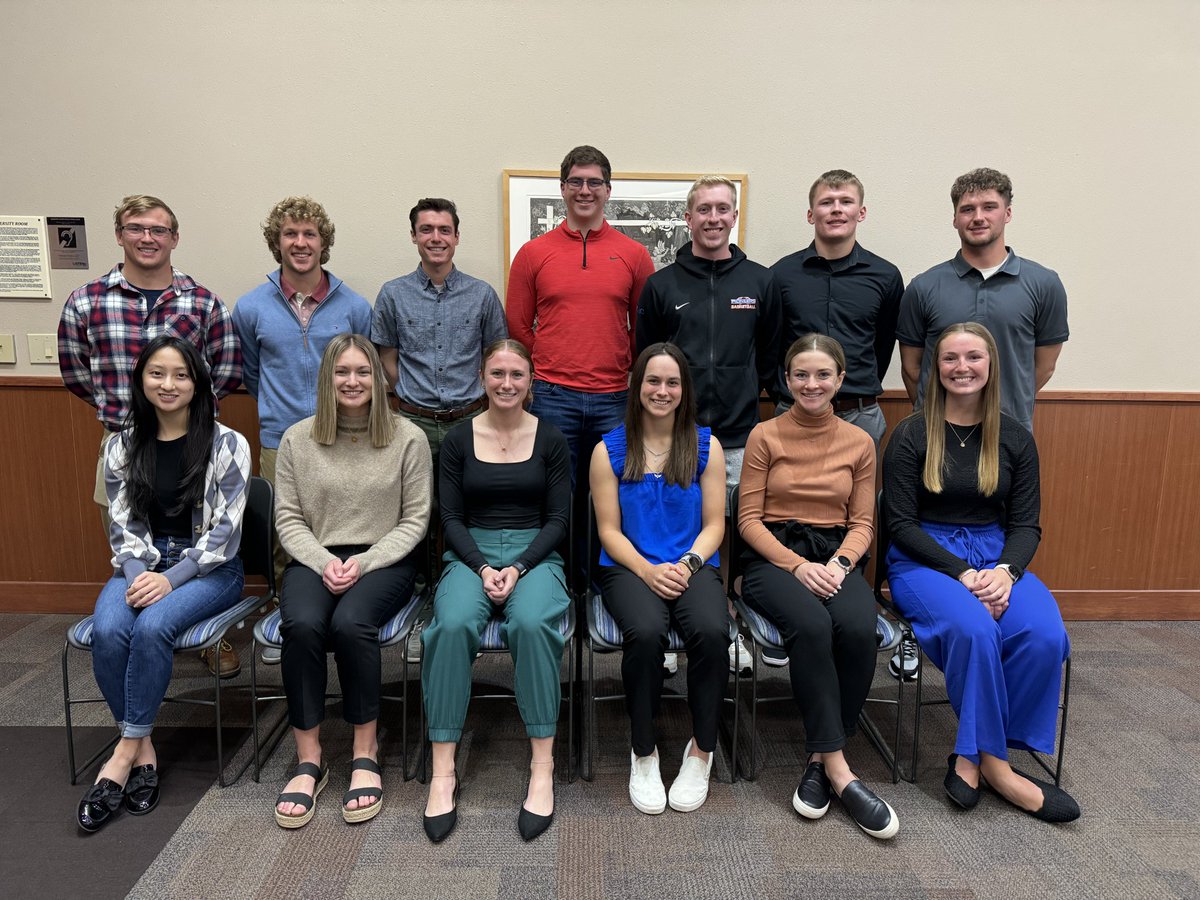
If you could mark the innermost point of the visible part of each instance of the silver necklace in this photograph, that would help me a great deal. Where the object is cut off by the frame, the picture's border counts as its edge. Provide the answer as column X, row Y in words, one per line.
column 962, row 441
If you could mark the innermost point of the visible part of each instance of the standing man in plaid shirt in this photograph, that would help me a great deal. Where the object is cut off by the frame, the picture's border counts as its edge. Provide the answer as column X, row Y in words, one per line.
column 106, row 323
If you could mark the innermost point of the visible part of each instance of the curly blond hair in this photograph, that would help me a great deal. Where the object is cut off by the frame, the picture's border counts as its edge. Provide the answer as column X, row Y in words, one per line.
column 299, row 209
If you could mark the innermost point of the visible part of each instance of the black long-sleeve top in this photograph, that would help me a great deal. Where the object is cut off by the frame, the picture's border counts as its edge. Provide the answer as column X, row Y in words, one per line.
column 535, row 493
column 1016, row 504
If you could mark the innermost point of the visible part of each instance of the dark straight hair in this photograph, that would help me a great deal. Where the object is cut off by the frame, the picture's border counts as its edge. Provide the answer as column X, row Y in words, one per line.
column 141, row 433
column 684, row 457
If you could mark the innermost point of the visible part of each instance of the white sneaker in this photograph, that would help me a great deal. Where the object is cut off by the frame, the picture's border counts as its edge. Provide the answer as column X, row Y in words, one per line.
column 413, row 649
column 645, row 783
column 739, row 657
column 689, row 790
column 671, row 663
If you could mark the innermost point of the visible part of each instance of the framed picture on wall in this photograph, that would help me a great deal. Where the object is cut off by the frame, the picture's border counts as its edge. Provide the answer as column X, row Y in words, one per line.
column 646, row 206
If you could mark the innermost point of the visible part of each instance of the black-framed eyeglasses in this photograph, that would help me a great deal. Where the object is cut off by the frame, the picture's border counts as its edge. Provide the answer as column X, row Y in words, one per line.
column 156, row 231
column 594, row 184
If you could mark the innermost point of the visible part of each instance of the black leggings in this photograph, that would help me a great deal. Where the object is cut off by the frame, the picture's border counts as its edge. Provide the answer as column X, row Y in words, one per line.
column 644, row 617
column 831, row 644
column 314, row 621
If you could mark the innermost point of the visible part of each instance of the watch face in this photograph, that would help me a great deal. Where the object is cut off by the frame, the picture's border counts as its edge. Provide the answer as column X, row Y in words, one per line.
column 844, row 562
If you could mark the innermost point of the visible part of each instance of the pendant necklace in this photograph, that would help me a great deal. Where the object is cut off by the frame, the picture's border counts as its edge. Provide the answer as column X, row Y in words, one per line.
column 962, row 441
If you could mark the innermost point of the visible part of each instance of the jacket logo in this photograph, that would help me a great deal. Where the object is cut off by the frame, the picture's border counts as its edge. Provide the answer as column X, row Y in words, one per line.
column 743, row 303
column 681, row 306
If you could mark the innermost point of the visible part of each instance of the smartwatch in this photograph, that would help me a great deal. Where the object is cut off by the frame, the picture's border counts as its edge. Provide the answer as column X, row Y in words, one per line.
column 521, row 569
column 1014, row 572
column 843, row 563
column 693, row 561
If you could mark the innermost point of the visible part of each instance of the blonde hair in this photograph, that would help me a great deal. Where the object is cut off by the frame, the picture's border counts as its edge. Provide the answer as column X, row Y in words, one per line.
column 836, row 178
column 706, row 181
column 381, row 422
column 935, row 416
column 136, row 204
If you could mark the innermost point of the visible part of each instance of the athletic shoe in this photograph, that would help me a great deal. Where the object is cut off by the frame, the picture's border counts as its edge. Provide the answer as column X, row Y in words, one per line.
column 905, row 658
column 739, row 657
column 671, row 663
column 689, row 790
column 645, row 783
column 774, row 657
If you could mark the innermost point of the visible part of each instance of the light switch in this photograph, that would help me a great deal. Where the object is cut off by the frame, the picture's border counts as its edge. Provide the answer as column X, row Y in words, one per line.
column 43, row 349
column 8, row 349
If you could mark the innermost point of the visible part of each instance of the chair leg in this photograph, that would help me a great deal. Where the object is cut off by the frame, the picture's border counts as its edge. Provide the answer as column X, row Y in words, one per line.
column 1062, row 728
column 254, row 708
column 67, row 713
column 217, row 710
column 916, row 747
column 571, row 761
column 590, row 713
column 737, row 702
column 755, row 652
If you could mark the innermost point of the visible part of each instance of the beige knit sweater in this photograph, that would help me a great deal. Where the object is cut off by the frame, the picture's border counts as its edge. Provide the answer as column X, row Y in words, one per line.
column 352, row 493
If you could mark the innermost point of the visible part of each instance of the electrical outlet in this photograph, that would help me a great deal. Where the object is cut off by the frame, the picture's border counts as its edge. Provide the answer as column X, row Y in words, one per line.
column 8, row 349
column 43, row 349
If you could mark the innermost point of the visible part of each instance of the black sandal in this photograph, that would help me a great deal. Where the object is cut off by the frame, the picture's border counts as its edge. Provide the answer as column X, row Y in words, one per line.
column 312, row 770
column 363, row 813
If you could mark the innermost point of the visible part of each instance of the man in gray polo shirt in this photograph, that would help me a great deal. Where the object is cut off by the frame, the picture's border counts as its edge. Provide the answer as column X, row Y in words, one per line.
column 1023, row 304
column 431, row 327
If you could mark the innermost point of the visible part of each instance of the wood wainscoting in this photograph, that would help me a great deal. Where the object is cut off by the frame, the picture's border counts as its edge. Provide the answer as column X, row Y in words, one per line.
column 1120, row 499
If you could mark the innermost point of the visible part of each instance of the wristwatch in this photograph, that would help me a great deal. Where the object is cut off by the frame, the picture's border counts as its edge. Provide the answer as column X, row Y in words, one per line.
column 521, row 569
column 844, row 563
column 692, row 561
column 1014, row 572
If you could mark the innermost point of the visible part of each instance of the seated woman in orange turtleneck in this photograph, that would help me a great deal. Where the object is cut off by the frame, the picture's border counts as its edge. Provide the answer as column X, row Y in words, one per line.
column 807, row 499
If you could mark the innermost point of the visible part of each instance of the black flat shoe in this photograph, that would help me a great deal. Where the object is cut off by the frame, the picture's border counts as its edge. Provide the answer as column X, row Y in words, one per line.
column 141, row 790
column 438, row 828
column 100, row 804
column 873, row 815
column 811, row 799
column 1057, row 805
column 956, row 788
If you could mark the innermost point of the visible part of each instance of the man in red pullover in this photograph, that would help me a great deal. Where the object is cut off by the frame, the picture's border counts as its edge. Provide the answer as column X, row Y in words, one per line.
column 572, row 300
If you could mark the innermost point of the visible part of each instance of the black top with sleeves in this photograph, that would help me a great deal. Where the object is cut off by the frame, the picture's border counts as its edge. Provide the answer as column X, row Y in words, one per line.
column 1016, row 504
column 535, row 493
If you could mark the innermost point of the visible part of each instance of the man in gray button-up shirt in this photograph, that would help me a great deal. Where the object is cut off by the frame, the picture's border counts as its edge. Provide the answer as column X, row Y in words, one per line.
column 431, row 327
column 1023, row 304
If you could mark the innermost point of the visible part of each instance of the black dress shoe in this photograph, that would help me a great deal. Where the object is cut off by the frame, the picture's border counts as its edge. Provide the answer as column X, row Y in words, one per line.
column 873, row 815
column 141, row 790
column 100, row 804
column 1057, row 805
column 956, row 788
column 811, row 799
column 438, row 828
column 530, row 825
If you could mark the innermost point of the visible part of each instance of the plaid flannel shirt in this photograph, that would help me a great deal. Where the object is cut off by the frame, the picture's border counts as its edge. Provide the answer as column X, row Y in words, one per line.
column 105, row 324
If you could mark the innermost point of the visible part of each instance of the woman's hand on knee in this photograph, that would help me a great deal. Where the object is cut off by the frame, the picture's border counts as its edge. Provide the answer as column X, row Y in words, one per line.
column 668, row 580
column 993, row 586
column 498, row 585
column 817, row 578
column 338, row 577
column 147, row 588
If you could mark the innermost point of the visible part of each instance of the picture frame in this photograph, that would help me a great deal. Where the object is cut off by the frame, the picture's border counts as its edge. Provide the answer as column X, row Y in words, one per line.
column 646, row 206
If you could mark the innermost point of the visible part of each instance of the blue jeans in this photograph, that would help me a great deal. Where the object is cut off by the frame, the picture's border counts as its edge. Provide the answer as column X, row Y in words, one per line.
column 583, row 418
column 133, row 649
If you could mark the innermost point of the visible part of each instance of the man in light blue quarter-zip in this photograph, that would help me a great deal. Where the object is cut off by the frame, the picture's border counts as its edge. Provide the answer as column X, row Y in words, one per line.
column 285, row 323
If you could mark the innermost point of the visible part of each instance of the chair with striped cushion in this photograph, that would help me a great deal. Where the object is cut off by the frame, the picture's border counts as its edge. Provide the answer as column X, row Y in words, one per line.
column 395, row 630
column 258, row 528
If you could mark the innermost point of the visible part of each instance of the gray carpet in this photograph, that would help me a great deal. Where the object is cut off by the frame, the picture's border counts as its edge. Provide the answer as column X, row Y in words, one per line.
column 1133, row 762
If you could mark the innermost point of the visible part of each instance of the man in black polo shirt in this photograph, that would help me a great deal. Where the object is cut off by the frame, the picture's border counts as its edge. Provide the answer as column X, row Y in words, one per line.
column 835, row 286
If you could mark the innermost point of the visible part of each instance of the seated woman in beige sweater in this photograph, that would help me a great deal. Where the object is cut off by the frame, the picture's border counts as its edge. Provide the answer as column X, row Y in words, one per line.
column 807, row 489
column 353, row 493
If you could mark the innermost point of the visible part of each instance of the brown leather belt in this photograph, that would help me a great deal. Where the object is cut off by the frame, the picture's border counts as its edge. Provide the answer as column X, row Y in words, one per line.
column 440, row 415
column 842, row 404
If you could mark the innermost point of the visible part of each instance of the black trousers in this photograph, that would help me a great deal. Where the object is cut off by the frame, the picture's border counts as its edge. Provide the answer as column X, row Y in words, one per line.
column 644, row 618
column 314, row 621
column 831, row 644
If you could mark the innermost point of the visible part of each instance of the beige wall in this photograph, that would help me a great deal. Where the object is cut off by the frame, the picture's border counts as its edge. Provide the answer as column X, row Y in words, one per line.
column 223, row 107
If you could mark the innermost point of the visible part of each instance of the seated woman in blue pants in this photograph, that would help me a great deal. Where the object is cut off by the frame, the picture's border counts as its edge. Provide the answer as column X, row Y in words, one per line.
column 505, row 494
column 962, row 499
column 658, row 484
column 176, row 483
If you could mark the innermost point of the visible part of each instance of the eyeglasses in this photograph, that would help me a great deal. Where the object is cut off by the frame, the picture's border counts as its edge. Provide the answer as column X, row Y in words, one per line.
column 156, row 231
column 594, row 184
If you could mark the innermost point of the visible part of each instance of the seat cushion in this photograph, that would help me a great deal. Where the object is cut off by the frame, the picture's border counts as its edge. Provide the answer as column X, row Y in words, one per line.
column 493, row 641
column 606, row 634
column 267, row 631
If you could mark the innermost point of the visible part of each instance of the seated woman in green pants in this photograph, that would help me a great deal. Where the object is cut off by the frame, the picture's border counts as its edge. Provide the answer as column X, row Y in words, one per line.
column 505, row 494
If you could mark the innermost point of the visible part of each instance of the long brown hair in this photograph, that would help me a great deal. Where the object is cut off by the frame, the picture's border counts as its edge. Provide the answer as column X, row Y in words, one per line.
column 935, row 416
column 381, row 421
column 512, row 345
column 684, row 456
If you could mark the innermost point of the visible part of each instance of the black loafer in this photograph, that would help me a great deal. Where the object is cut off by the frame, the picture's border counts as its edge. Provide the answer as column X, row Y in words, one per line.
column 957, row 789
column 1057, row 805
column 100, row 804
column 811, row 799
column 873, row 815
column 141, row 790
column 438, row 828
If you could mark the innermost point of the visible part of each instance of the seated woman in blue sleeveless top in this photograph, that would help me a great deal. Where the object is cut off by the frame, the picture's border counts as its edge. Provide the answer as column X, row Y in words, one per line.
column 658, row 484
